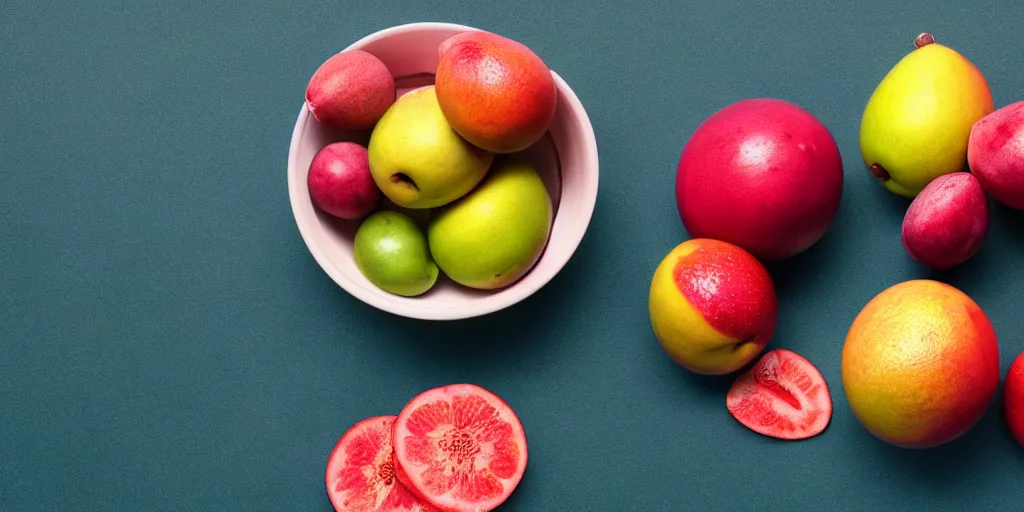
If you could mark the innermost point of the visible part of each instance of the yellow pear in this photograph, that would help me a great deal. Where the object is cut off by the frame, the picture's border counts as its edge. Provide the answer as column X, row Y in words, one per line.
column 918, row 121
column 417, row 159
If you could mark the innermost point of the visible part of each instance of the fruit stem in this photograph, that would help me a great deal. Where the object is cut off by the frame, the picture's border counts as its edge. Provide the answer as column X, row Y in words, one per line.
column 923, row 39
column 879, row 172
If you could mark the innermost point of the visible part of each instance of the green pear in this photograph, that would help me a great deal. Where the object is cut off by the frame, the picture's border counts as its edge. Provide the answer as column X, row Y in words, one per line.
column 917, row 123
column 391, row 250
column 417, row 160
column 493, row 235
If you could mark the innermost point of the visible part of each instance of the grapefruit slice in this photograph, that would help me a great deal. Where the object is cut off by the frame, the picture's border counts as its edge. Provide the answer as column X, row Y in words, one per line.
column 460, row 448
column 361, row 475
column 782, row 396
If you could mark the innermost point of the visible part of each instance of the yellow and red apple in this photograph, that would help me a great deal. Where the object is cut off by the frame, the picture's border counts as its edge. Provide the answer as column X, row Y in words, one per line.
column 712, row 305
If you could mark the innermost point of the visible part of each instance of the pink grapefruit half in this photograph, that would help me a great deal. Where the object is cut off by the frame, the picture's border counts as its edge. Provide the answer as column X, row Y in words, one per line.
column 460, row 448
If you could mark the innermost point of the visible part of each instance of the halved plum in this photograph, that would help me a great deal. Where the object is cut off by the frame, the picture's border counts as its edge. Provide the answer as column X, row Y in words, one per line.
column 361, row 474
column 460, row 448
column 782, row 396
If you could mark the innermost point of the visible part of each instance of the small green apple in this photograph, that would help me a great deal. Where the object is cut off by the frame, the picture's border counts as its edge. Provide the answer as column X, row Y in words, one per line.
column 417, row 159
column 392, row 252
column 493, row 235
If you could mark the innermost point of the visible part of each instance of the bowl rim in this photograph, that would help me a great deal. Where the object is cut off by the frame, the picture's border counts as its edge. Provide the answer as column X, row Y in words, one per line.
column 512, row 295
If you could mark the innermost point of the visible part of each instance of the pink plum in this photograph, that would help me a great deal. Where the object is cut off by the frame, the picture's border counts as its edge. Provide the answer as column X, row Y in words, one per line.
column 947, row 222
column 995, row 154
column 350, row 91
column 340, row 182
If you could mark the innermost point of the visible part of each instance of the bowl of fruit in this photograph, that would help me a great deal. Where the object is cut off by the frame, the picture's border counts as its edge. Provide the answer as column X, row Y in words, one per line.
column 438, row 171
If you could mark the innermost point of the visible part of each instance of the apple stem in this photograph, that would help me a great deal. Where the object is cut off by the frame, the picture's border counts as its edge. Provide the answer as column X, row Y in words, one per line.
column 923, row 39
column 879, row 172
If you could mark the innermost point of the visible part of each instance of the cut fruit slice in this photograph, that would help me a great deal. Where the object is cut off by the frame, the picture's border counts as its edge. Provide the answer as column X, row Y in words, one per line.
column 460, row 447
column 361, row 473
column 782, row 396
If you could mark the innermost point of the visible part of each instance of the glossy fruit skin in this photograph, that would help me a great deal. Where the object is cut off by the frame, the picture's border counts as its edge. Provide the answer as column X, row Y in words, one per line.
column 995, row 154
column 481, row 422
column 367, row 447
column 712, row 306
column 920, row 364
column 1013, row 399
column 781, row 373
column 947, row 222
column 351, row 90
column 496, row 92
column 494, row 235
column 417, row 160
column 340, row 182
column 763, row 174
column 917, row 121
column 391, row 251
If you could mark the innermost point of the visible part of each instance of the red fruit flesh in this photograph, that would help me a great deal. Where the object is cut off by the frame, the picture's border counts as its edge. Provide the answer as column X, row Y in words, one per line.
column 495, row 92
column 947, row 222
column 995, row 154
column 361, row 473
column 782, row 396
column 340, row 182
column 1013, row 399
column 403, row 479
column 461, row 448
column 763, row 174
column 350, row 91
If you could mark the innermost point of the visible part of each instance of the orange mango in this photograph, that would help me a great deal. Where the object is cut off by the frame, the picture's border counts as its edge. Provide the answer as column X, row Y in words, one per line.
column 920, row 364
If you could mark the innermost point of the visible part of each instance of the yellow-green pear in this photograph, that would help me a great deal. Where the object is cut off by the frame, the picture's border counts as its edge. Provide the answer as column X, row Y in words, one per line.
column 493, row 236
column 417, row 159
column 918, row 121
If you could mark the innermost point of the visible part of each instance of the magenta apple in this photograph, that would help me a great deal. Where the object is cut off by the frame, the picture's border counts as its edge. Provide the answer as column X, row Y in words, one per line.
column 763, row 174
column 995, row 154
column 340, row 182
column 947, row 222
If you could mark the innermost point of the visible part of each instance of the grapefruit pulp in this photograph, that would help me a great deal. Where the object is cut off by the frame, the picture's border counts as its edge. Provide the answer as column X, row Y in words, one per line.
column 361, row 474
column 460, row 447
column 782, row 396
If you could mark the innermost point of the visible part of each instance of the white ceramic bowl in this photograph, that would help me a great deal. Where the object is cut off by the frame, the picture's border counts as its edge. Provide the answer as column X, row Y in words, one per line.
column 566, row 159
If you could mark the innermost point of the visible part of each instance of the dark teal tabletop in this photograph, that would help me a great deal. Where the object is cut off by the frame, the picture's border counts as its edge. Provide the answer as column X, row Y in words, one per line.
column 167, row 342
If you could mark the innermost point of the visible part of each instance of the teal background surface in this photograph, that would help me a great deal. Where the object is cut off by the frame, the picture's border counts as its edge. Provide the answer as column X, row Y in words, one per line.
column 167, row 343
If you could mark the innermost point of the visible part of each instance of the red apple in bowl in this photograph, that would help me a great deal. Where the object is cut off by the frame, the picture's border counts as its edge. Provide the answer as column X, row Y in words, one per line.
column 763, row 174
column 340, row 183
